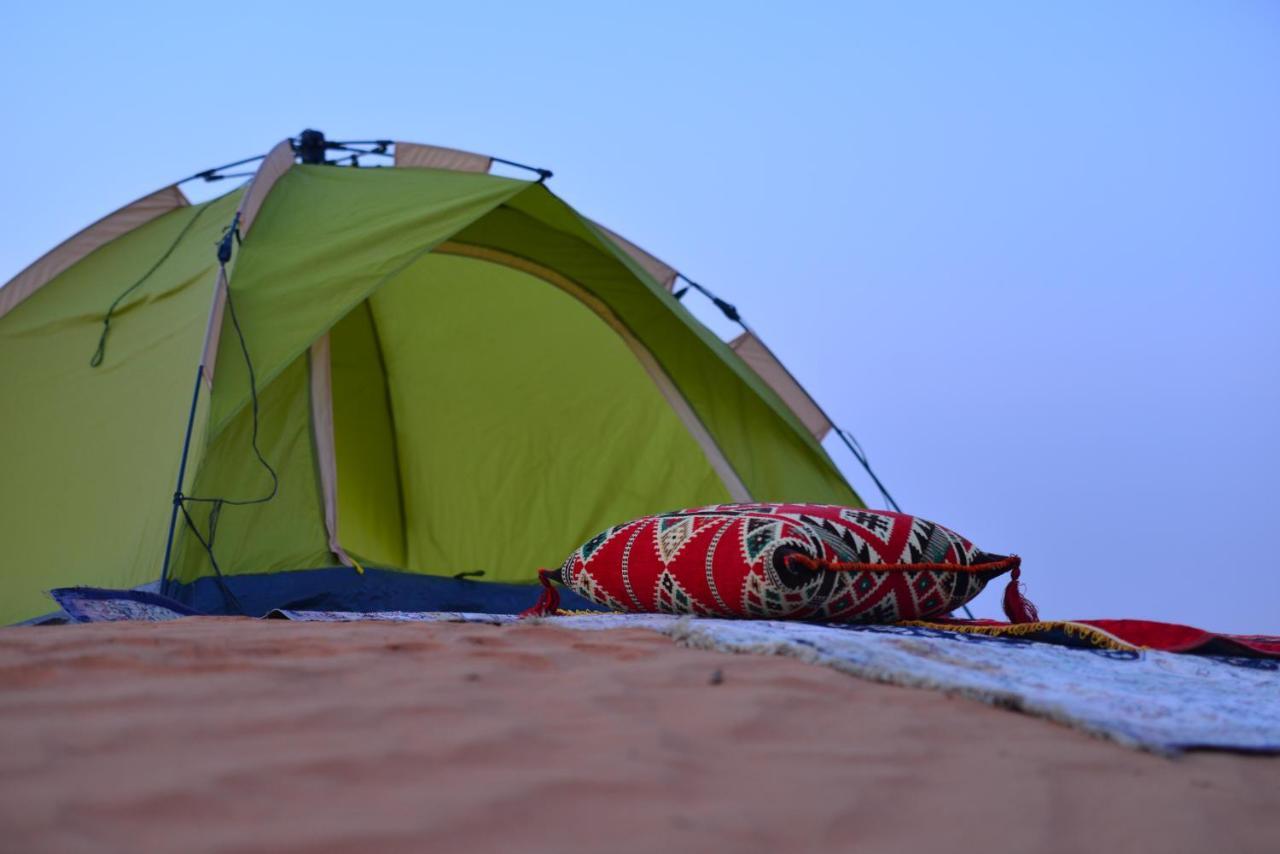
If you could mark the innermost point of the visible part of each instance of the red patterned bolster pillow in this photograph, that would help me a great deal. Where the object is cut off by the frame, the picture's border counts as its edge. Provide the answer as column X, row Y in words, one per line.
column 782, row 561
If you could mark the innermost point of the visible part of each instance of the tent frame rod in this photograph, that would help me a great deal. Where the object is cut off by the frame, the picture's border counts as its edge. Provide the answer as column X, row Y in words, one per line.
column 212, row 174
column 182, row 475
column 380, row 149
column 543, row 174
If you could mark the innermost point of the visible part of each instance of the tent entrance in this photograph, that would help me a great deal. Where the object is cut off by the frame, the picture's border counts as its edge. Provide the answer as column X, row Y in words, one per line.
column 485, row 420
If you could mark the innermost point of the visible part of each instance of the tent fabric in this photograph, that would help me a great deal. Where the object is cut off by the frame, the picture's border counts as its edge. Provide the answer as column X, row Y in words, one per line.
column 662, row 272
column 737, row 407
column 322, row 434
column 310, row 260
column 278, row 161
column 455, row 372
column 92, row 453
column 762, row 360
column 416, row 156
column 50, row 265
column 286, row 532
column 371, row 498
column 549, row 411
column 736, row 489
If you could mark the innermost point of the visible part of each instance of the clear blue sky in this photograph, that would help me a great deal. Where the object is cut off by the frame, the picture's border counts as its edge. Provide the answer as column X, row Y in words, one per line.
column 1028, row 252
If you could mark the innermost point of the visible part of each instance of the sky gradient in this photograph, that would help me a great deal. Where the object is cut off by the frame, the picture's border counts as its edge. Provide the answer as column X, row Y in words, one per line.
column 1029, row 256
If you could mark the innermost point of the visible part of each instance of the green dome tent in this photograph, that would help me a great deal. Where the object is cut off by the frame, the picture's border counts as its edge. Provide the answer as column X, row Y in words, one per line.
column 426, row 370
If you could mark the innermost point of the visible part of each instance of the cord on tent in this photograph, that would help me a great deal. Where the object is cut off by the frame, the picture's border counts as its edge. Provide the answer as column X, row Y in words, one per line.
column 860, row 455
column 180, row 501
column 727, row 309
column 100, row 352
column 225, row 248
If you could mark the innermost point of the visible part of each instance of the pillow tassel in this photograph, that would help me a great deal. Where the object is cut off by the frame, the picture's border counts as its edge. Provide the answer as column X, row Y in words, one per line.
column 549, row 602
column 1016, row 606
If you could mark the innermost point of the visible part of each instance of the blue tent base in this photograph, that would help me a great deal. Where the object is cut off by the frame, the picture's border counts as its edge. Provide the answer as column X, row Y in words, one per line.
column 341, row 588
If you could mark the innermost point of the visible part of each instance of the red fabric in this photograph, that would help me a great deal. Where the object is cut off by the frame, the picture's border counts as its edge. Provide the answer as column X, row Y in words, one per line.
column 782, row 561
column 1172, row 637
column 1139, row 634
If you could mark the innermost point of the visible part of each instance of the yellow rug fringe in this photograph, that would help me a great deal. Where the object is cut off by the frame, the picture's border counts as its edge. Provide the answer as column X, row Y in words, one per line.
column 1074, row 630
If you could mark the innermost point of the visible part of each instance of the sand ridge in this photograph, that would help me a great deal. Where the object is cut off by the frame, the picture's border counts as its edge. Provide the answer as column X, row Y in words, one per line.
column 237, row 735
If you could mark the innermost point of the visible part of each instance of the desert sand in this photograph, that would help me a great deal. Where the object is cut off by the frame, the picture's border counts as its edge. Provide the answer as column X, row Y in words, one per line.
column 237, row 735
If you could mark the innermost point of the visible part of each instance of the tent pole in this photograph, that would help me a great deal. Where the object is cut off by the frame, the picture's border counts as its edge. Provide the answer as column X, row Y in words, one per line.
column 182, row 474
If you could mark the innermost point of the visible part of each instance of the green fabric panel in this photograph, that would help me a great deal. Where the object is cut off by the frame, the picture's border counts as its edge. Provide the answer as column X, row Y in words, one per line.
column 550, row 210
column 524, row 423
column 325, row 239
column 286, row 532
column 91, row 454
column 370, row 518
column 771, row 451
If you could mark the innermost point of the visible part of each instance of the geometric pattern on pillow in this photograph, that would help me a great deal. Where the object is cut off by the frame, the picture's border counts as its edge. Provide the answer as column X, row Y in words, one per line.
column 782, row 561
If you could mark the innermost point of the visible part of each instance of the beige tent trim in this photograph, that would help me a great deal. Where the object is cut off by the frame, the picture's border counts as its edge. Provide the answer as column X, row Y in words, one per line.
column 770, row 369
column 57, row 260
column 719, row 463
column 415, row 156
column 661, row 271
column 323, row 433
column 278, row 161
